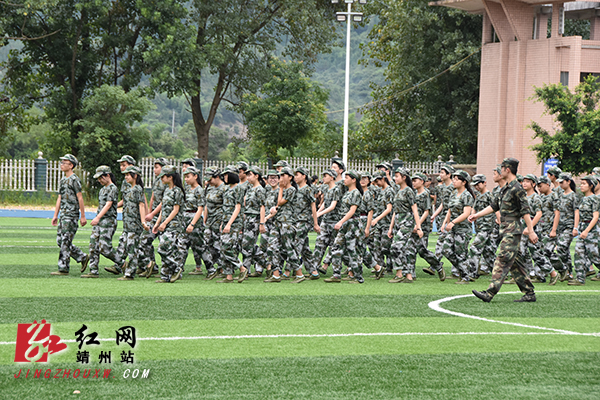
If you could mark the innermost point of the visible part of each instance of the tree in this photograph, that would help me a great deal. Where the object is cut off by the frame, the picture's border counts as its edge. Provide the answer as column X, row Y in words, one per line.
column 108, row 127
column 416, row 42
column 576, row 141
column 234, row 41
column 292, row 108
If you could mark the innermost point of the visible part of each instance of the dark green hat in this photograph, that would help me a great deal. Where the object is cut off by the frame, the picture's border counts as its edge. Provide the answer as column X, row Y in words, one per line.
column 519, row 177
column 243, row 165
column 71, row 158
column 339, row 162
column 303, row 171
column 543, row 179
column 102, row 170
column 385, row 165
column 230, row 169
column 448, row 168
column 498, row 169
column 479, row 178
column 272, row 172
column 510, row 162
column 286, row 171
column 554, row 171
column 439, row 179
column 464, row 175
column 591, row 179
column 211, row 172
column 365, row 174
column 419, row 175
column 189, row 161
column 354, row 174
column 281, row 163
column 532, row 178
column 166, row 170
column 331, row 173
column 191, row 170
column 127, row 159
column 161, row 161
column 253, row 168
column 134, row 169
column 564, row 177
column 403, row 171
column 596, row 171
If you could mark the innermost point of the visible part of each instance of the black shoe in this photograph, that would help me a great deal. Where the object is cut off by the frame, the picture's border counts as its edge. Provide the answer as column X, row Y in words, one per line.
column 322, row 270
column 528, row 298
column 484, row 296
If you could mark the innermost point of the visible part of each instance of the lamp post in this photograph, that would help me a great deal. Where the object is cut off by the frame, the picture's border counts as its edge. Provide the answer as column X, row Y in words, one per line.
column 348, row 17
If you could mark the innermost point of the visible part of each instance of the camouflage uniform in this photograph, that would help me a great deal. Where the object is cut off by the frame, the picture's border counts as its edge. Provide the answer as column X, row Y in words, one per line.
column 345, row 242
column 532, row 251
column 404, row 245
column 456, row 242
column 146, row 248
column 549, row 203
column 230, row 242
column 383, row 244
column 326, row 238
column 102, row 234
column 512, row 204
column 568, row 203
column 253, row 254
column 285, row 232
column 129, row 242
column 495, row 235
column 367, row 205
column 304, row 224
column 482, row 246
column 444, row 193
column 67, row 225
column 586, row 250
column 243, row 188
column 423, row 202
column 171, row 248
column 212, row 229
column 268, row 240
column 194, row 199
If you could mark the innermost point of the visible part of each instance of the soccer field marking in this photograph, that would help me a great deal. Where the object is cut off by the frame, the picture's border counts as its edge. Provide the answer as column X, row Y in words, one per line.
column 435, row 305
column 327, row 335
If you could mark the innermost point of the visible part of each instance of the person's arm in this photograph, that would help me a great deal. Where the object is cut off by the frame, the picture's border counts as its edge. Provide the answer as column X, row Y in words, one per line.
column 369, row 220
column 536, row 218
column 555, row 223
column 388, row 209
column 157, row 224
column 591, row 226
column 482, row 213
column 173, row 214
column 235, row 214
column 446, row 221
column 328, row 209
column 348, row 215
column 262, row 228
column 82, row 220
column 56, row 210
column 437, row 212
column 465, row 214
column 195, row 220
column 424, row 217
column 533, row 238
column 391, row 228
column 576, row 224
column 152, row 213
column 313, row 207
column 102, row 212
column 280, row 200
column 143, row 214
column 415, row 211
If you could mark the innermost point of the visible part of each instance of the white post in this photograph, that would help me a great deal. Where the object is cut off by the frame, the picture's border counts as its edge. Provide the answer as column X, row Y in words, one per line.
column 347, row 95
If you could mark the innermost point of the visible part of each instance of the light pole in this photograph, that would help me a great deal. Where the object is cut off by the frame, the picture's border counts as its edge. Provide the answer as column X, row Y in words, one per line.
column 349, row 17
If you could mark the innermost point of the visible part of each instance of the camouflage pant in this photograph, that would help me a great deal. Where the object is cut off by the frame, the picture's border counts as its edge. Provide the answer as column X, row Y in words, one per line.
column 195, row 240
column 230, row 248
column 366, row 245
column 586, row 252
column 146, row 250
column 495, row 237
column 131, row 244
column 456, row 250
column 324, row 240
column 272, row 244
column 212, row 243
column 170, row 248
column 481, row 248
column 345, row 249
column 439, row 245
column 563, row 248
column 535, row 253
column 523, row 248
column 509, row 258
column 424, row 253
column 548, row 248
column 67, row 228
column 101, row 243
column 382, row 245
column 403, row 251
column 303, row 247
column 283, row 240
column 252, row 253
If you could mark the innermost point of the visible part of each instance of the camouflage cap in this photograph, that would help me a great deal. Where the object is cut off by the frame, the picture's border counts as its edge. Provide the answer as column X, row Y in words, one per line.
column 230, row 169
column 127, row 159
column 591, row 179
column 384, row 164
column 498, row 169
column 133, row 169
column 189, row 161
column 272, row 172
column 102, row 170
column 479, row 178
column 402, row 171
column 565, row 176
column 510, row 162
column 596, row 171
column 167, row 170
column 303, row 171
column 254, row 169
column 543, row 179
column 439, row 179
column 71, row 158
column 519, row 177
column 331, row 173
column 286, row 171
column 161, row 161
column 243, row 165
column 281, row 163
column 378, row 175
column 353, row 174
column 554, row 171
column 532, row 178
column 191, row 170
column 419, row 175
column 365, row 174
column 448, row 168
column 212, row 172
column 339, row 162
column 464, row 175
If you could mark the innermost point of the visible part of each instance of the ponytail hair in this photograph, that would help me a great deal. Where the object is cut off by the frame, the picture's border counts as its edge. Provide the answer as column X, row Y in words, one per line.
column 360, row 189
column 112, row 177
column 177, row 181
column 408, row 181
column 138, row 179
column 572, row 185
column 467, row 185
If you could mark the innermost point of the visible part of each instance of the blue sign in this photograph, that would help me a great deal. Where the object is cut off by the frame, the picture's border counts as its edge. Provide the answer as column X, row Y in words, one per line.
column 551, row 162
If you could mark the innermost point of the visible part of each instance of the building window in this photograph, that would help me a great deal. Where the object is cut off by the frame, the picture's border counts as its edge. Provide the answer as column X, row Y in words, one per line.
column 584, row 75
column 564, row 78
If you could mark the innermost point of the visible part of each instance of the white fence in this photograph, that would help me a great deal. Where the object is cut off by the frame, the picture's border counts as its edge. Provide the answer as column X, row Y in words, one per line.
column 17, row 174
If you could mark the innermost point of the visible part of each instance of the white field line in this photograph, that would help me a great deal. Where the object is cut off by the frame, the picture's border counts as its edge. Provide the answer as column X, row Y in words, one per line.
column 435, row 305
column 333, row 335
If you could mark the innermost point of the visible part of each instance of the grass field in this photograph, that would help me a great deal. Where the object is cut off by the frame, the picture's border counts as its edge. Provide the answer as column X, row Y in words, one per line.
column 200, row 339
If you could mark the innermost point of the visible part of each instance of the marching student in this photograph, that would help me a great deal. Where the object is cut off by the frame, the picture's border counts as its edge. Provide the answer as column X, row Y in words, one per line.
column 586, row 221
column 104, row 224
column 482, row 251
column 548, row 225
column 328, row 212
column 213, row 218
column 254, row 221
column 534, row 252
column 444, row 191
column 306, row 220
column 568, row 203
column 193, row 211
column 232, row 225
column 70, row 205
column 381, row 224
column 268, row 239
column 134, row 213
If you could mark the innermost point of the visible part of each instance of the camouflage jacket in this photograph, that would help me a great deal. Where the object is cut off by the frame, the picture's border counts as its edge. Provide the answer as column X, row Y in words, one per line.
column 171, row 198
column 329, row 196
column 270, row 197
column 214, row 204
column 255, row 198
column 376, row 193
column 286, row 212
column 444, row 194
column 158, row 189
column 302, row 203
column 456, row 206
column 567, row 204
column 194, row 199
column 125, row 187
column 244, row 187
column 68, row 189
column 512, row 203
column 402, row 208
column 368, row 202
column 108, row 193
column 482, row 201
column 351, row 198
column 423, row 202
column 132, row 220
column 232, row 196
column 548, row 204
column 387, row 197
column 587, row 207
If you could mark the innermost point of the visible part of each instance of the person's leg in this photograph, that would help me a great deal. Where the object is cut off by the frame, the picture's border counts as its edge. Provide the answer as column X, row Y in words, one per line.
column 94, row 250
column 507, row 253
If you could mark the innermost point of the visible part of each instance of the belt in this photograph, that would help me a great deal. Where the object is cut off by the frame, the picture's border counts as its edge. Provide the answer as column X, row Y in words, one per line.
column 192, row 211
column 587, row 222
column 509, row 219
column 363, row 214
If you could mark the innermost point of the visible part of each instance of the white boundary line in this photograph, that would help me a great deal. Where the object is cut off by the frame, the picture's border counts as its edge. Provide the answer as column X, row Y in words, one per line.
column 435, row 305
